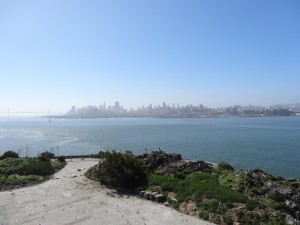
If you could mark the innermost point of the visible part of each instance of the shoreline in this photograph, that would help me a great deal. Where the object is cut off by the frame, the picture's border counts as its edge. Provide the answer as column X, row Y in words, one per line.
column 171, row 117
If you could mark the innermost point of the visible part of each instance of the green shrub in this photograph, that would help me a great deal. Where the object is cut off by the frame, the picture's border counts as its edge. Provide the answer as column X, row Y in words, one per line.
column 203, row 215
column 252, row 204
column 264, row 217
column 25, row 166
column 92, row 173
column 276, row 196
column 215, row 219
column 37, row 167
column 295, row 184
column 166, row 183
column 229, row 205
column 198, row 185
column 225, row 166
column 239, row 213
column 61, row 159
column 238, row 180
column 9, row 154
column 278, row 220
column 280, row 206
column 273, row 204
column 251, row 218
column 47, row 154
column 121, row 170
column 174, row 204
column 57, row 165
column 209, row 206
column 44, row 158
column 168, row 186
column 227, row 220
column 291, row 180
column 19, row 179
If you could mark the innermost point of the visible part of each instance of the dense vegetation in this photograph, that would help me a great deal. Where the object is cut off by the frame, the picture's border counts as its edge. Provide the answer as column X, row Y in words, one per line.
column 225, row 166
column 16, row 171
column 9, row 154
column 121, row 170
column 196, row 186
column 216, row 201
column 214, row 192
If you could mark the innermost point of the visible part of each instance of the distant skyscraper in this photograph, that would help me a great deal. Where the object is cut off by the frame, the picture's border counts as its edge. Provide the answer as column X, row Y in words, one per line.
column 117, row 105
column 73, row 108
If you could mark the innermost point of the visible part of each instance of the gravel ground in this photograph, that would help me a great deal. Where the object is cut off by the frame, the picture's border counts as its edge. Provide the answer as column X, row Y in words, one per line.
column 70, row 198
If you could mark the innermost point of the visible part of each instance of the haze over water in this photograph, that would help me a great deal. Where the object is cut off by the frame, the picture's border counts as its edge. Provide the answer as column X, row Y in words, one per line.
column 270, row 143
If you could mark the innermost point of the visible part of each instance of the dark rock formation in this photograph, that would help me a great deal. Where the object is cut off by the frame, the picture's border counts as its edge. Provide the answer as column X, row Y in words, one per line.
column 173, row 163
column 159, row 159
column 153, row 196
column 191, row 165
column 279, row 190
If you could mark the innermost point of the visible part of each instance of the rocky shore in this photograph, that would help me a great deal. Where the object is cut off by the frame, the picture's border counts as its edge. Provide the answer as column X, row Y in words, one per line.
column 267, row 196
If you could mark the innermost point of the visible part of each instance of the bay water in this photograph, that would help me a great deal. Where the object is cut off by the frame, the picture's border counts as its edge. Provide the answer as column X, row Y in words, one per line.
column 270, row 143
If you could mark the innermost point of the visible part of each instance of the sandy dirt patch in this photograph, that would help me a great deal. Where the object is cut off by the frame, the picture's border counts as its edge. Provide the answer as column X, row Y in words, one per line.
column 70, row 198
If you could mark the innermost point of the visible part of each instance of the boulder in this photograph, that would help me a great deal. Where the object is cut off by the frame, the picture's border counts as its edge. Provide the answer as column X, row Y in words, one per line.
column 159, row 198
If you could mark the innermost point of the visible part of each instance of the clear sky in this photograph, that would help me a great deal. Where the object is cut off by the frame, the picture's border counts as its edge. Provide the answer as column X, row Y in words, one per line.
column 59, row 53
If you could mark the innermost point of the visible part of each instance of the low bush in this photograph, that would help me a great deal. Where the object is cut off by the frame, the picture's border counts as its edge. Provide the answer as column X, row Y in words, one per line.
column 19, row 179
column 227, row 220
column 37, row 167
column 238, row 180
column 92, row 173
column 276, row 196
column 229, row 205
column 251, row 218
column 196, row 186
column 44, row 158
column 57, row 165
column 174, row 204
column 47, row 154
column 211, row 206
column 9, row 154
column 215, row 219
column 273, row 204
column 121, row 170
column 252, row 204
column 61, row 159
column 203, row 215
column 25, row 166
column 225, row 166
column 166, row 183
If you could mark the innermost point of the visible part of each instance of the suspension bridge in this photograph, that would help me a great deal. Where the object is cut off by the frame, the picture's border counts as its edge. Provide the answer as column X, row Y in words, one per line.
column 29, row 113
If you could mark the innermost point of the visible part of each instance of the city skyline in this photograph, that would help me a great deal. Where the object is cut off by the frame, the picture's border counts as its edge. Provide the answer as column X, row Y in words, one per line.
column 55, row 54
column 117, row 104
column 119, row 108
column 176, row 111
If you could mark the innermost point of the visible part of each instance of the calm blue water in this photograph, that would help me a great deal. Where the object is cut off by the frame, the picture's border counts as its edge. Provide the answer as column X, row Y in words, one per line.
column 270, row 143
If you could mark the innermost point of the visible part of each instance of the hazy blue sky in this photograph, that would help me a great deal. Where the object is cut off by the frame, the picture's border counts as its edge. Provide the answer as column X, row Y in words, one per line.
column 55, row 54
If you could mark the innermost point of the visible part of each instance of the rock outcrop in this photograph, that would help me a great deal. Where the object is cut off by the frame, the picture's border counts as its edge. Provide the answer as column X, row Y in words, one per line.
column 159, row 159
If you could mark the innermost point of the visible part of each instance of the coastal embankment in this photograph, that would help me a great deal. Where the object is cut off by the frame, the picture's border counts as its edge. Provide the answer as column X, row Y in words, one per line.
column 71, row 198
